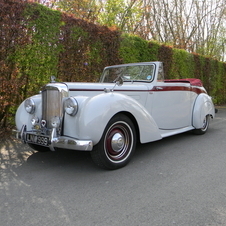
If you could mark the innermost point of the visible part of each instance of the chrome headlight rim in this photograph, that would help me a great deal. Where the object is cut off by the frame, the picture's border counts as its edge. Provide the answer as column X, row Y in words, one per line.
column 71, row 106
column 29, row 105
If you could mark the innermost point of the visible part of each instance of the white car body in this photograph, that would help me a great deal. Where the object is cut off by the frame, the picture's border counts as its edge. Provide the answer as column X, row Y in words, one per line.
column 158, row 108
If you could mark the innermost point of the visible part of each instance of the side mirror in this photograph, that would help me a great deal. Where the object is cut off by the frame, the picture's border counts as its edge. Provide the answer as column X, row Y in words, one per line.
column 118, row 81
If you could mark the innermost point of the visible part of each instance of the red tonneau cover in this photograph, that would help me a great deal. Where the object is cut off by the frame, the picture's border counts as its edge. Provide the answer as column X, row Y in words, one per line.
column 192, row 81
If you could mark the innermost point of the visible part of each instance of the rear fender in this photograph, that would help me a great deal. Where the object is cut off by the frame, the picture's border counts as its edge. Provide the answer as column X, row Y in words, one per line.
column 203, row 106
column 95, row 113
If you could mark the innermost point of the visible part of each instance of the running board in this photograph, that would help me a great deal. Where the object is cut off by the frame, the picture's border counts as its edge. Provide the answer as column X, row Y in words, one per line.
column 167, row 133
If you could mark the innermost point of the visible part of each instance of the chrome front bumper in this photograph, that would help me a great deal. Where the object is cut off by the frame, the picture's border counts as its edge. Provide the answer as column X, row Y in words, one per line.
column 63, row 142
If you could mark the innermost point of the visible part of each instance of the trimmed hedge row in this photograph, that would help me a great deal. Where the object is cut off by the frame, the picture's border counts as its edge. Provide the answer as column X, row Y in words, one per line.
column 37, row 42
column 178, row 64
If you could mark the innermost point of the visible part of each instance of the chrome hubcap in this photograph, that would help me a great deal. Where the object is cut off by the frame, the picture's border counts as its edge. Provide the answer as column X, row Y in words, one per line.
column 117, row 142
column 205, row 123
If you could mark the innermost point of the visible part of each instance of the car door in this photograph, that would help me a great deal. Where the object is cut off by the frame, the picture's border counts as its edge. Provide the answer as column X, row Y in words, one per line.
column 171, row 105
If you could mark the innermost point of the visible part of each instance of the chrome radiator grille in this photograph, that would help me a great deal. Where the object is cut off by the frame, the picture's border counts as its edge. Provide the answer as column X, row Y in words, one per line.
column 52, row 103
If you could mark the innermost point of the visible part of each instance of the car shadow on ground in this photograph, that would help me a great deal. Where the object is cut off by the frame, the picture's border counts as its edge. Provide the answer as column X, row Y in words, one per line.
column 14, row 154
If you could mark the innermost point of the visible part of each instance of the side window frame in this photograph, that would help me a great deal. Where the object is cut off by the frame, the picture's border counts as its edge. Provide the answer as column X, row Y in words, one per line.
column 160, row 77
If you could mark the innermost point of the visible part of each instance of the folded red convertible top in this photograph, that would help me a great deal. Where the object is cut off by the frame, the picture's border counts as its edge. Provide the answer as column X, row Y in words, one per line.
column 192, row 81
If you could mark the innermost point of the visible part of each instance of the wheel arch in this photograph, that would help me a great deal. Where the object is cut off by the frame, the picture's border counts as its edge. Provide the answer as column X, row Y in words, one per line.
column 134, row 121
column 203, row 106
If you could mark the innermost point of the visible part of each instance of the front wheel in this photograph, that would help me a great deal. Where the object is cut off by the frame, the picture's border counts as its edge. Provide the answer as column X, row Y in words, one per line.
column 205, row 126
column 117, row 144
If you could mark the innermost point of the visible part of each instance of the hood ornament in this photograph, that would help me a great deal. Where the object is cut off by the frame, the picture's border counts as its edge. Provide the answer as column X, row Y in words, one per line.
column 52, row 79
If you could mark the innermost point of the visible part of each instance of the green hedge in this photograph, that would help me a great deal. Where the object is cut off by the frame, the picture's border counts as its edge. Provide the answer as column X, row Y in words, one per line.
column 178, row 64
column 38, row 42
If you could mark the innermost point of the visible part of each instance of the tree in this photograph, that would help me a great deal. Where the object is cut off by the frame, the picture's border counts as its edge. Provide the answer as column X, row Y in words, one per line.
column 195, row 25
column 119, row 13
column 123, row 14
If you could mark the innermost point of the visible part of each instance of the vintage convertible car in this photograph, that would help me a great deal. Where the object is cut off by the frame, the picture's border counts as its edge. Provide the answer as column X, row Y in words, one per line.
column 131, row 103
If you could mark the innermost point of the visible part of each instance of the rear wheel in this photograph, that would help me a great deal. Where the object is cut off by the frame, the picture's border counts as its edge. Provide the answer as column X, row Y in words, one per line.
column 205, row 126
column 117, row 144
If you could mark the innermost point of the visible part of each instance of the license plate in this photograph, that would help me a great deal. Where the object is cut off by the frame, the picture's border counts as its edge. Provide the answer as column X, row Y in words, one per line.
column 37, row 139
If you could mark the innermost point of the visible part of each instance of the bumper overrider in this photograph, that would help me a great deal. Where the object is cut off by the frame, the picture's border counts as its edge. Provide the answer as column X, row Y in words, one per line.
column 52, row 141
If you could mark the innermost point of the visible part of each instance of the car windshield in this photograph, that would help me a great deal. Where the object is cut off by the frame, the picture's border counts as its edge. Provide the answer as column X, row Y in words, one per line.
column 129, row 73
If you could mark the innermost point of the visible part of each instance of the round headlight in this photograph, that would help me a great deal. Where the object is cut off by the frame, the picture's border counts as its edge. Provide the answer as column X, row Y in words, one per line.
column 29, row 105
column 71, row 106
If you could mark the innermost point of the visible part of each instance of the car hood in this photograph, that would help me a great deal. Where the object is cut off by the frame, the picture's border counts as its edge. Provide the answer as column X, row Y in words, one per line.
column 136, row 91
column 100, row 87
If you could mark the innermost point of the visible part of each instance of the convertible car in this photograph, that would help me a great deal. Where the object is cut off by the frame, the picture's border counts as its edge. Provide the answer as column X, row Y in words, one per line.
column 131, row 103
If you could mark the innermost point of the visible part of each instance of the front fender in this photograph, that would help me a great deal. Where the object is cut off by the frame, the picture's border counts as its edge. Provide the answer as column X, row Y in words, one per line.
column 203, row 106
column 24, row 118
column 95, row 112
